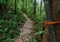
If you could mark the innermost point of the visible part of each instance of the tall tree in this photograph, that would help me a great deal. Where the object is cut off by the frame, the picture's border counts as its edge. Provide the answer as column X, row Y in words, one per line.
column 34, row 6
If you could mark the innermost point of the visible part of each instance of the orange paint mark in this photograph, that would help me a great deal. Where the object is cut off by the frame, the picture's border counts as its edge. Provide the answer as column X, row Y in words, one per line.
column 46, row 23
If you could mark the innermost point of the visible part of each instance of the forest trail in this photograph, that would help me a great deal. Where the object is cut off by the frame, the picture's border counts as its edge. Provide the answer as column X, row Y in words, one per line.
column 26, row 30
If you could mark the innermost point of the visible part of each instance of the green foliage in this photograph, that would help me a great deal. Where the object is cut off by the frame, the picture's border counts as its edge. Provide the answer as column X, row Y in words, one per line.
column 1, row 1
column 39, row 32
column 10, row 23
column 37, row 18
column 32, row 40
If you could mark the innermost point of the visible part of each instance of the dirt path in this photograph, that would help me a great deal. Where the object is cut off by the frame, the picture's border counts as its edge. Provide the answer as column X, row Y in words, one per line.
column 26, row 31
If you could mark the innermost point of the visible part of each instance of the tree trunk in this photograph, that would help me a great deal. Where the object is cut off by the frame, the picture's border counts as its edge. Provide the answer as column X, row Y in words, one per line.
column 55, row 15
column 34, row 6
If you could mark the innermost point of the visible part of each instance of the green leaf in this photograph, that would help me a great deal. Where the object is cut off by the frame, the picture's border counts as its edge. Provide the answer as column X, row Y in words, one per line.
column 40, row 32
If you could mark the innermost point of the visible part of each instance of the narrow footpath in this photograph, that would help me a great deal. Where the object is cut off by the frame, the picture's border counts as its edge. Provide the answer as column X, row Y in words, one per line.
column 26, row 30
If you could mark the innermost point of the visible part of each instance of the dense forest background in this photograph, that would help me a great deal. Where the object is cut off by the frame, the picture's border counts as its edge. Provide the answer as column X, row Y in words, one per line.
column 12, row 19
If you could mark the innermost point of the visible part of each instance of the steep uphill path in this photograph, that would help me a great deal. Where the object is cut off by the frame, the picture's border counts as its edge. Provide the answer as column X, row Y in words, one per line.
column 26, row 30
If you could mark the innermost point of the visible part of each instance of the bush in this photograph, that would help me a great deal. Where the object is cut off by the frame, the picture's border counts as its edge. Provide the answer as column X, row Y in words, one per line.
column 10, row 24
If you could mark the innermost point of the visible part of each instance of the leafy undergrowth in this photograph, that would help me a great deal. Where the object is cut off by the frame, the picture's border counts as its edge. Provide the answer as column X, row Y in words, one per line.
column 32, row 40
column 10, row 26
column 10, row 23
column 38, row 20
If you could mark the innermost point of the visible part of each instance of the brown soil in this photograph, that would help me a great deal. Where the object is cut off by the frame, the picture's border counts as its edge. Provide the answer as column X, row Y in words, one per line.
column 26, row 31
